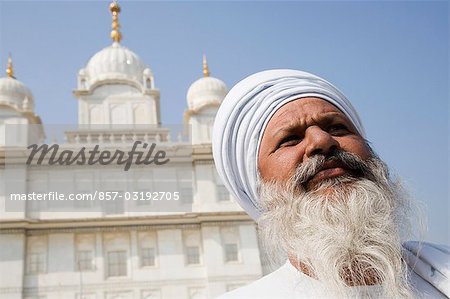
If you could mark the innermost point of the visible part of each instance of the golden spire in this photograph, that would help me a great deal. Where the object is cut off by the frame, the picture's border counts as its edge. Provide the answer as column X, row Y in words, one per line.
column 205, row 67
column 115, row 33
column 9, row 69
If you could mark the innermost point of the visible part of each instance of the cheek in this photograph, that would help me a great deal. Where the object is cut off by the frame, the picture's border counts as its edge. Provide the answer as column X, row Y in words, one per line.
column 356, row 146
column 281, row 165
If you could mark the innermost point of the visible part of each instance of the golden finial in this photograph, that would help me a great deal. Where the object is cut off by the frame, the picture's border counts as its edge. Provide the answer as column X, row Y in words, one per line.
column 205, row 67
column 9, row 69
column 115, row 33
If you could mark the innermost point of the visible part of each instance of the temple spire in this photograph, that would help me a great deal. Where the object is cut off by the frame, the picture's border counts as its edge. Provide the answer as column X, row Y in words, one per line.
column 9, row 69
column 205, row 67
column 115, row 33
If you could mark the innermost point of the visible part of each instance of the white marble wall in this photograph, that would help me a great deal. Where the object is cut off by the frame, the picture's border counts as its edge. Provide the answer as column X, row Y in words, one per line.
column 170, row 277
column 118, row 105
column 202, row 123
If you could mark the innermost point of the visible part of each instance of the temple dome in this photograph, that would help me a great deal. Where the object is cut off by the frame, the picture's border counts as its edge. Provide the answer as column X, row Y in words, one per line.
column 115, row 62
column 206, row 91
column 15, row 94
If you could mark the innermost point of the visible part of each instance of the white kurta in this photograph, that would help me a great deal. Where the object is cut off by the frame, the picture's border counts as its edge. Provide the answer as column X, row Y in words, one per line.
column 289, row 283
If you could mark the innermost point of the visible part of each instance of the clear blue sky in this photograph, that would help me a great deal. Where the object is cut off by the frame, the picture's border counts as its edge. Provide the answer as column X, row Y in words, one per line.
column 391, row 59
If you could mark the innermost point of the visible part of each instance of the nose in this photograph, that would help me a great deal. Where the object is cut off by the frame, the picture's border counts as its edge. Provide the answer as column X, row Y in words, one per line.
column 319, row 142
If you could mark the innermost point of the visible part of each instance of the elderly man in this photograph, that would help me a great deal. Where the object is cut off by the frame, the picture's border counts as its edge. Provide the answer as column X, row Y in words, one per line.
column 292, row 150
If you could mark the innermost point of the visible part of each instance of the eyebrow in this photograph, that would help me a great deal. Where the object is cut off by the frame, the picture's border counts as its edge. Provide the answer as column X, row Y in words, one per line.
column 324, row 119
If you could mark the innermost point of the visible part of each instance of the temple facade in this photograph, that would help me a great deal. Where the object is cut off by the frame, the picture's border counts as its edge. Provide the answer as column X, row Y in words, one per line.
column 124, row 252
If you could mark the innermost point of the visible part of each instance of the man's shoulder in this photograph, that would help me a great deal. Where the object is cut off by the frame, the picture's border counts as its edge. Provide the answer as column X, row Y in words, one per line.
column 286, row 282
column 265, row 287
column 430, row 264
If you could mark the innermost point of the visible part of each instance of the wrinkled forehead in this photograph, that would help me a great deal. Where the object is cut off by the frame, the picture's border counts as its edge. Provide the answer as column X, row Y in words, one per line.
column 298, row 112
column 303, row 109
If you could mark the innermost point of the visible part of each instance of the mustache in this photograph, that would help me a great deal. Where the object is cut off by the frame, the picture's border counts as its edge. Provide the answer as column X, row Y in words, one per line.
column 336, row 158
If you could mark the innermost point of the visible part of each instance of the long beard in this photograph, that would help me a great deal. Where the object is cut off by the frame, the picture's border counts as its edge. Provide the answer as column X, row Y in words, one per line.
column 346, row 231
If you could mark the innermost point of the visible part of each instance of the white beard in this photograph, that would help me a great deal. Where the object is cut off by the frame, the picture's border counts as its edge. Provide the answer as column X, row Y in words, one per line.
column 344, row 231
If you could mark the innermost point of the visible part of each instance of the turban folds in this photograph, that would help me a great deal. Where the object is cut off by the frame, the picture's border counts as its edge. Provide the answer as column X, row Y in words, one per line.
column 243, row 117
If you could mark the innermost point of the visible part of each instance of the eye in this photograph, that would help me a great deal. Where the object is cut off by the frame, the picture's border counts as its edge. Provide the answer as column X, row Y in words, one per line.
column 338, row 130
column 290, row 140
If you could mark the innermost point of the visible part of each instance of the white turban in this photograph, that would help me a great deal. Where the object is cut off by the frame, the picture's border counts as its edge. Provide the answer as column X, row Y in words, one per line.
column 243, row 117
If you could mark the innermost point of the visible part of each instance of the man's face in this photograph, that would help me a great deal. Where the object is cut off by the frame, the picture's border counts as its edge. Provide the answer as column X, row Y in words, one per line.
column 304, row 128
column 328, row 200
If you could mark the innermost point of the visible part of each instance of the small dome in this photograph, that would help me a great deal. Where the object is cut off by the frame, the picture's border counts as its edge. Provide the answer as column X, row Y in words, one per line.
column 115, row 62
column 14, row 93
column 204, row 91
